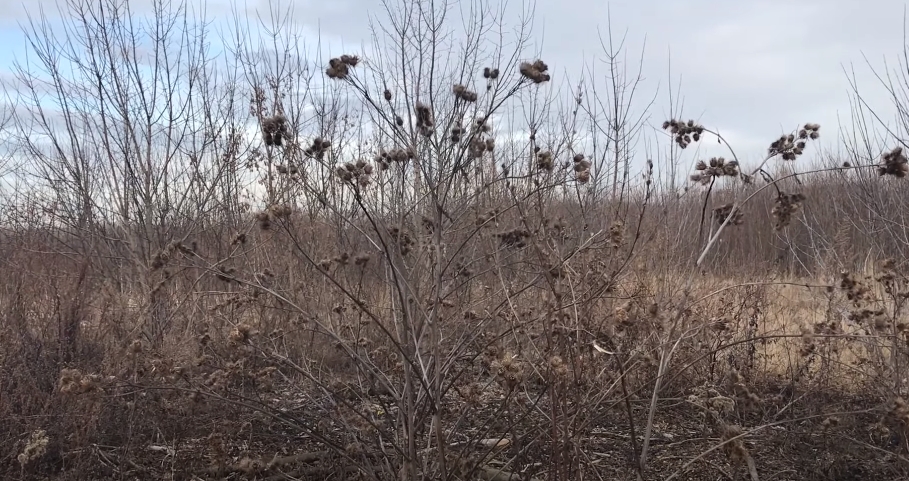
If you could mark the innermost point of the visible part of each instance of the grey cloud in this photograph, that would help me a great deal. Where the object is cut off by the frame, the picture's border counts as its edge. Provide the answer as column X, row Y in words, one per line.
column 750, row 69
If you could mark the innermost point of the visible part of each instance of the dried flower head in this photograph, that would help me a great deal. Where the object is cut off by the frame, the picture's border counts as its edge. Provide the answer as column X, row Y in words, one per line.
column 856, row 291
column 894, row 163
column 536, row 71
column 581, row 168
column 487, row 218
column 226, row 274
column 274, row 129
column 361, row 260
column 35, row 448
column 242, row 333
column 617, row 234
column 289, row 170
column 73, row 381
column 398, row 155
column 722, row 212
column 425, row 120
column 810, row 131
column 280, row 211
column 317, row 148
column 264, row 220
column 900, row 411
column 351, row 60
column 480, row 141
column 790, row 147
column 358, row 174
column 559, row 367
column 516, row 238
column 464, row 94
column 734, row 447
column 683, row 133
column 717, row 167
column 545, row 161
column 785, row 206
column 402, row 240
column 239, row 239
column 508, row 370
column 339, row 68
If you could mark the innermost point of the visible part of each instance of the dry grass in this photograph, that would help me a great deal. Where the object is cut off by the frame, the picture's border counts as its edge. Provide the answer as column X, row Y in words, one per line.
column 89, row 357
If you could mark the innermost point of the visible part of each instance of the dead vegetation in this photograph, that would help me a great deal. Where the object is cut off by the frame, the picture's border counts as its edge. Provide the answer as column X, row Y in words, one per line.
column 443, row 301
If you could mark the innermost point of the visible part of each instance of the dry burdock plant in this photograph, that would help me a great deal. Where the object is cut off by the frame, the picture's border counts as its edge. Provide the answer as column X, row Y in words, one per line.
column 784, row 208
column 717, row 167
column 545, row 161
column 287, row 169
column 72, row 381
column 165, row 255
column 536, row 71
column 395, row 156
column 617, row 234
column 339, row 67
column 318, row 148
column 790, row 147
column 358, row 173
column 684, row 133
column 894, row 163
column 425, row 120
column 34, row 449
column 436, row 298
column 481, row 140
column 274, row 129
column 581, row 168
column 272, row 213
column 462, row 93
column 721, row 213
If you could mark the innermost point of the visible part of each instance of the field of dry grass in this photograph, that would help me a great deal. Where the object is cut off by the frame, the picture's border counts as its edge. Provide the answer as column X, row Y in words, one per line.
column 259, row 371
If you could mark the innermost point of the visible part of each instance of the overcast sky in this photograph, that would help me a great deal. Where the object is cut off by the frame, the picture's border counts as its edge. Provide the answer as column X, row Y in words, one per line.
column 750, row 69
